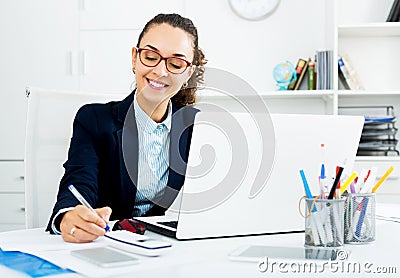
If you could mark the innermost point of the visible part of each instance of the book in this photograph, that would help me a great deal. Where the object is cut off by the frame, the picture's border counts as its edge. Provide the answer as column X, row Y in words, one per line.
column 342, row 81
column 299, row 69
column 300, row 78
column 349, row 74
column 315, row 71
column 311, row 75
column 323, row 68
column 394, row 14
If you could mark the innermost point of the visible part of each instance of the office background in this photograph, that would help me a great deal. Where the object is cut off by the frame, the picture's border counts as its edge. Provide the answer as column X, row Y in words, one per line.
column 85, row 45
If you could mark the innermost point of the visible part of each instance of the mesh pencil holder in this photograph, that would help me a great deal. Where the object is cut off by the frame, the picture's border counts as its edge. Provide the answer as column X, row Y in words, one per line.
column 324, row 225
column 359, row 218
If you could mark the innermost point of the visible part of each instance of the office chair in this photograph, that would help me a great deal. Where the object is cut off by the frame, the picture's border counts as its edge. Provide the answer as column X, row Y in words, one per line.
column 48, row 132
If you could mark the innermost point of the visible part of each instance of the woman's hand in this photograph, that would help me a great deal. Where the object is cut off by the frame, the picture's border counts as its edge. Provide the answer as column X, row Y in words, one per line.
column 82, row 225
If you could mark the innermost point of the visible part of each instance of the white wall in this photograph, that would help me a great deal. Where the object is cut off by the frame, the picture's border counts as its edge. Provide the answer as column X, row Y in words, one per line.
column 363, row 11
column 252, row 49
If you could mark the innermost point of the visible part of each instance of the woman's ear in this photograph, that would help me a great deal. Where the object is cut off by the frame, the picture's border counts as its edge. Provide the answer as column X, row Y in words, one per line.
column 134, row 52
column 191, row 71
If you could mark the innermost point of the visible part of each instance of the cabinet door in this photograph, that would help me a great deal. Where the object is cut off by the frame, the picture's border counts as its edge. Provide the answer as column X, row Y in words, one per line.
column 124, row 14
column 11, row 177
column 37, row 42
column 12, row 207
column 106, row 59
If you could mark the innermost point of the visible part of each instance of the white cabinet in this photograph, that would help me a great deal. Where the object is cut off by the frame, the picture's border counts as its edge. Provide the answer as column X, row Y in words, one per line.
column 37, row 41
column 12, row 198
column 107, row 60
column 107, row 32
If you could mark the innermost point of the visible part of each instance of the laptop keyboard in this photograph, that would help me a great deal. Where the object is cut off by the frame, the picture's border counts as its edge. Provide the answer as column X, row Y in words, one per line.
column 172, row 224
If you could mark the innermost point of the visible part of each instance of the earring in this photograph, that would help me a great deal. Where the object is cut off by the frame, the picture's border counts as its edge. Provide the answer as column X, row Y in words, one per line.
column 133, row 70
column 185, row 85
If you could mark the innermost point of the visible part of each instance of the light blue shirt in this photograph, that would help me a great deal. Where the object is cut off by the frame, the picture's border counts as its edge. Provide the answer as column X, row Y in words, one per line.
column 153, row 160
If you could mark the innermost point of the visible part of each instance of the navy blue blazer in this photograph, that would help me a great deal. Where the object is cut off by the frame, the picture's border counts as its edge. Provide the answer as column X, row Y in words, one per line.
column 103, row 158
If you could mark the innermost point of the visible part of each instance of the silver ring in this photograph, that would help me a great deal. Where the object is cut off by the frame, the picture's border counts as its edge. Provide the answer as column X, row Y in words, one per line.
column 73, row 230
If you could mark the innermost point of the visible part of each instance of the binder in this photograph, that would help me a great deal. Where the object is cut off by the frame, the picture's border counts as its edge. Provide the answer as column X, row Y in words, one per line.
column 394, row 14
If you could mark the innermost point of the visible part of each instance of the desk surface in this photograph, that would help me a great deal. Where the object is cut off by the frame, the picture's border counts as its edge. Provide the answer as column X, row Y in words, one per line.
column 208, row 258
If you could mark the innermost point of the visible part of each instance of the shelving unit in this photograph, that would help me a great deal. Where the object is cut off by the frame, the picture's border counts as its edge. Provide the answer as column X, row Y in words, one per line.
column 382, row 29
column 372, row 45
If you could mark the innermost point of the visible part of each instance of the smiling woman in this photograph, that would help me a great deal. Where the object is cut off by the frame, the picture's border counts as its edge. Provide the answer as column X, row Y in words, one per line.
column 125, row 157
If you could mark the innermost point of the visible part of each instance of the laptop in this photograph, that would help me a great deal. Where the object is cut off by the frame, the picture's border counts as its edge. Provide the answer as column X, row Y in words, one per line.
column 243, row 172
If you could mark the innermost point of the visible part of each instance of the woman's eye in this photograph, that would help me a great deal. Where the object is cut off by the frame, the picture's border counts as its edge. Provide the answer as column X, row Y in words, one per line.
column 150, row 58
column 175, row 66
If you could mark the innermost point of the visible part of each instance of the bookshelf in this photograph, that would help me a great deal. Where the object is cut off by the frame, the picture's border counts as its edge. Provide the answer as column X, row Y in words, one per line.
column 383, row 29
column 373, row 46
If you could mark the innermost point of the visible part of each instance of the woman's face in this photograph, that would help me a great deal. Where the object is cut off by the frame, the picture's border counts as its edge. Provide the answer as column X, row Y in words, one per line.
column 157, row 84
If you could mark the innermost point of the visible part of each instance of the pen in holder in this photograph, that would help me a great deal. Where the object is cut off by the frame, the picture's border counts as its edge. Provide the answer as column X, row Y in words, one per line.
column 324, row 225
column 359, row 218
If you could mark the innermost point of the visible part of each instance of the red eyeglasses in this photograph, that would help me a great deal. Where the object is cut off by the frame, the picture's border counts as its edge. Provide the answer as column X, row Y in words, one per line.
column 151, row 58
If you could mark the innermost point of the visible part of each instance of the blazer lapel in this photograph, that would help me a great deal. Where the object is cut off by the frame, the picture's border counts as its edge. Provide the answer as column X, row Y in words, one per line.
column 127, row 140
column 181, row 132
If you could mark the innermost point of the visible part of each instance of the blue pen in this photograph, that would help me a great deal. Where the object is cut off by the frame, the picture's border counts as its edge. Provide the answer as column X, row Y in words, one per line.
column 362, row 216
column 317, row 228
column 322, row 176
column 307, row 188
column 82, row 200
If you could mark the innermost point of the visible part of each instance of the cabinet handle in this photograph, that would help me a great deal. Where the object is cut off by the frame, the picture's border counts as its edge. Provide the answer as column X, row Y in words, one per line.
column 70, row 63
column 21, row 177
column 22, row 209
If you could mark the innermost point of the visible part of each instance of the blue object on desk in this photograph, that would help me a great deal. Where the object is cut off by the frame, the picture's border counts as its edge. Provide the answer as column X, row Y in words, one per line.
column 30, row 264
column 307, row 188
column 362, row 216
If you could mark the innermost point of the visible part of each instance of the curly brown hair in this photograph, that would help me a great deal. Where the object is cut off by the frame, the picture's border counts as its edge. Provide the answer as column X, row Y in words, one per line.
column 187, row 94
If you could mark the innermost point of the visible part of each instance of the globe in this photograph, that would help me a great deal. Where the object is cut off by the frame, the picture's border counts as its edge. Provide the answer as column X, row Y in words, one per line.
column 283, row 74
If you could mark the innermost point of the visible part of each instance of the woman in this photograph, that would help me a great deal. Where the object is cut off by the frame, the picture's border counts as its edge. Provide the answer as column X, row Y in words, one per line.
column 128, row 158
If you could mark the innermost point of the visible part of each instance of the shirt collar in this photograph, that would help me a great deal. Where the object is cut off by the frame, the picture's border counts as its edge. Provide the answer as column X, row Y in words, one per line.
column 146, row 123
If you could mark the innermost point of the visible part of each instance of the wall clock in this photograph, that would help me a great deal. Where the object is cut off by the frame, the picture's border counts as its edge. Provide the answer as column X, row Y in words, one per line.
column 253, row 9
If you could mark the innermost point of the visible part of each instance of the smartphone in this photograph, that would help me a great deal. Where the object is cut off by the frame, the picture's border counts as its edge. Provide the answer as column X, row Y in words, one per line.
column 105, row 256
column 255, row 253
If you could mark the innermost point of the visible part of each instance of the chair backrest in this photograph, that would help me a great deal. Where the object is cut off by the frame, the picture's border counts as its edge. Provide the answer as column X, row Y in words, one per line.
column 48, row 133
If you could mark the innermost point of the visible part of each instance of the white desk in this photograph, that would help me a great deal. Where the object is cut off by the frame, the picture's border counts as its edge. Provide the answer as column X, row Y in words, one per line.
column 208, row 258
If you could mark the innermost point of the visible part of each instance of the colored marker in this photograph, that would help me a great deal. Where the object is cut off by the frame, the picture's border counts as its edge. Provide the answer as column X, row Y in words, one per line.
column 337, row 191
column 382, row 179
column 317, row 228
column 352, row 188
column 335, row 183
column 348, row 182
column 369, row 180
column 362, row 215
column 323, row 176
column 307, row 188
